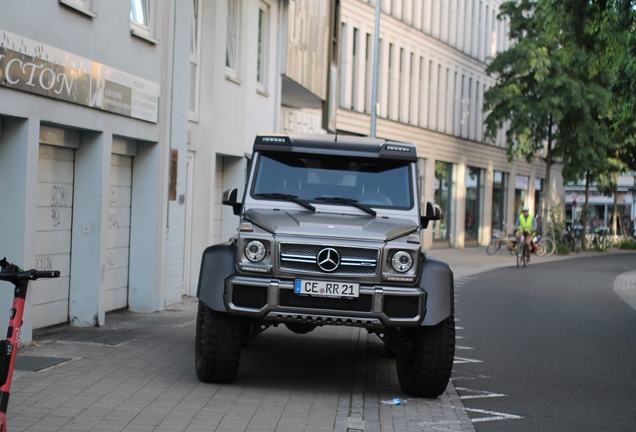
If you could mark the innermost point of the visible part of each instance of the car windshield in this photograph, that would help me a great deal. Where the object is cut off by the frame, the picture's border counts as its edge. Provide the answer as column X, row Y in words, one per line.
column 311, row 178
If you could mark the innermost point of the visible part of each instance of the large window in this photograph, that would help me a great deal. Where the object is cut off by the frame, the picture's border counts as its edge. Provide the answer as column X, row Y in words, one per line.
column 232, row 41
column 194, row 61
column 443, row 197
column 314, row 178
column 261, row 56
column 499, row 194
column 473, row 203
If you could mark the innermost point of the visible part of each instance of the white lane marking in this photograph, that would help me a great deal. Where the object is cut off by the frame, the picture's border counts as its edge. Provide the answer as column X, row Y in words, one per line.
column 625, row 287
column 494, row 415
column 464, row 347
column 459, row 328
column 460, row 337
column 462, row 360
column 478, row 394
column 442, row 424
column 470, row 377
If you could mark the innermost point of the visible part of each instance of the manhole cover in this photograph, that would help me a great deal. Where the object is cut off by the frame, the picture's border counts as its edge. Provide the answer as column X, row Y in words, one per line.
column 35, row 363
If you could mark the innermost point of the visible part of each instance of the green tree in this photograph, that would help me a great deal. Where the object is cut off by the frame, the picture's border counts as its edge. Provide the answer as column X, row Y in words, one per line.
column 549, row 92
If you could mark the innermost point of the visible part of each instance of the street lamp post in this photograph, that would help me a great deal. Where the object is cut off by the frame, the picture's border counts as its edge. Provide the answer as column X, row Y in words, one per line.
column 374, row 85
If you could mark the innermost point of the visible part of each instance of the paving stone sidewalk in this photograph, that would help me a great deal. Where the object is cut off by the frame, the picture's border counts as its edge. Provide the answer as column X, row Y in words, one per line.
column 137, row 374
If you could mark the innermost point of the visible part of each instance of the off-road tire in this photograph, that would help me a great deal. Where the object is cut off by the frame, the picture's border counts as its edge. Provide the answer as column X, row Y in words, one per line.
column 218, row 341
column 425, row 362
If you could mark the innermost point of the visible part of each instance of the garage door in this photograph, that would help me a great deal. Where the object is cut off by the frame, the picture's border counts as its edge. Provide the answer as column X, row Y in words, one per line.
column 118, row 232
column 54, row 217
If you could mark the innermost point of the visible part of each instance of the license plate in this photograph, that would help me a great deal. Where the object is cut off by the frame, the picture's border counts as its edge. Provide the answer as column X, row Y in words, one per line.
column 326, row 289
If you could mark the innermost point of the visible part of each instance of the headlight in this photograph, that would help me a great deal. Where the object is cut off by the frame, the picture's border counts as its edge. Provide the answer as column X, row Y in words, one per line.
column 402, row 261
column 255, row 251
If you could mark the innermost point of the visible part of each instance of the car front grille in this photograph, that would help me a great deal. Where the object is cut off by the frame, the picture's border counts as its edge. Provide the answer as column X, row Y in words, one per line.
column 304, row 258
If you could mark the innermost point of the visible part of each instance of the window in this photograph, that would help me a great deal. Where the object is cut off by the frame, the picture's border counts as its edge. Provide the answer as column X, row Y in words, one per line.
column 140, row 19
column 194, row 61
column 232, row 42
column 355, row 64
column 83, row 6
column 443, row 198
column 473, row 203
column 499, row 197
column 261, row 58
column 312, row 178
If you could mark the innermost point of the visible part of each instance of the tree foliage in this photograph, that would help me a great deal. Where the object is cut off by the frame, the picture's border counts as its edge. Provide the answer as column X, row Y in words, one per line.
column 566, row 87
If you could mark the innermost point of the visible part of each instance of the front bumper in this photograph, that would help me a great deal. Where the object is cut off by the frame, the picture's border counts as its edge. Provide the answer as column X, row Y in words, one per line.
column 274, row 300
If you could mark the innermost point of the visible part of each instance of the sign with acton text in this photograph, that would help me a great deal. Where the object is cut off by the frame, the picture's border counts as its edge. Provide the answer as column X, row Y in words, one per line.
column 37, row 68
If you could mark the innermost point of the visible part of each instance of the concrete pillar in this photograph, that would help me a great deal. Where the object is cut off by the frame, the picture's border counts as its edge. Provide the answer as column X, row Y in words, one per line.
column 459, row 199
column 486, row 224
column 146, row 293
column 90, row 229
column 19, row 144
column 428, row 194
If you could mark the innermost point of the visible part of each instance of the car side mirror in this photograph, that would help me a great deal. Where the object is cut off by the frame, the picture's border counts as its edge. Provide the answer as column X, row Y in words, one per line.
column 229, row 199
column 433, row 213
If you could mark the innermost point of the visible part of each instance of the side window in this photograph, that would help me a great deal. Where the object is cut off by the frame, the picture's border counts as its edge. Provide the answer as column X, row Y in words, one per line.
column 262, row 57
column 232, row 42
column 83, row 6
column 195, row 57
column 140, row 14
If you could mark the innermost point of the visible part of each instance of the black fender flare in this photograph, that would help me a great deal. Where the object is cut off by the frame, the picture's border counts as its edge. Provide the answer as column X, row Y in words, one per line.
column 436, row 279
column 217, row 264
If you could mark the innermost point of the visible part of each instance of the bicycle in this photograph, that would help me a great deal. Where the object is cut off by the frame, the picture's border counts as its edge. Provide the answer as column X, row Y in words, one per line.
column 547, row 243
column 573, row 242
column 523, row 253
column 499, row 237
column 9, row 347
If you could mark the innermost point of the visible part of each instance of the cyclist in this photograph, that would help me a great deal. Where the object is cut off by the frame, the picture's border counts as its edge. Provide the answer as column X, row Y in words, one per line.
column 526, row 225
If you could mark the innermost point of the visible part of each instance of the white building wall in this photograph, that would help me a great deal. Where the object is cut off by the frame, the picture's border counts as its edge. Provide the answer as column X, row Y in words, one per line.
column 101, row 36
column 232, row 111
column 176, row 227
column 441, row 112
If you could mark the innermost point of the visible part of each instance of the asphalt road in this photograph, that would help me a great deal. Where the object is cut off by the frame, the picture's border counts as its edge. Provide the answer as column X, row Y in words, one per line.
column 548, row 348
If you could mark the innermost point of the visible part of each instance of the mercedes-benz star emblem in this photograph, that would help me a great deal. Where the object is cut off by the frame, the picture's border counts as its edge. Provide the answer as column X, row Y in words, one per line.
column 328, row 259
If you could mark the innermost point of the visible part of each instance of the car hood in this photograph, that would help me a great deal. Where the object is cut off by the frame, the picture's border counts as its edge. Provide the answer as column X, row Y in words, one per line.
column 330, row 225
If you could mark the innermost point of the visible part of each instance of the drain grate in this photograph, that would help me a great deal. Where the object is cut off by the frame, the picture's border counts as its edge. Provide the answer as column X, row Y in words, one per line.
column 35, row 363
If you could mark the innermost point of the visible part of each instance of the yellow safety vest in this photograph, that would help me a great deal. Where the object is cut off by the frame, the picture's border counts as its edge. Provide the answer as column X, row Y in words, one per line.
column 525, row 223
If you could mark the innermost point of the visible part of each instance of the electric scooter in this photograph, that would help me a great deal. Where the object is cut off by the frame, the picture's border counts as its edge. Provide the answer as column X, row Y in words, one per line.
column 9, row 347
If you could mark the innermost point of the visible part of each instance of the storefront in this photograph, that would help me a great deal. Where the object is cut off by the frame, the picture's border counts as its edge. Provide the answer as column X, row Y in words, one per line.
column 442, row 229
column 499, row 199
column 472, row 221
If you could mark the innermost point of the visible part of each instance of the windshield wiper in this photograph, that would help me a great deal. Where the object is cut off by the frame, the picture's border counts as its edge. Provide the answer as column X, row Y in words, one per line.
column 352, row 202
column 292, row 198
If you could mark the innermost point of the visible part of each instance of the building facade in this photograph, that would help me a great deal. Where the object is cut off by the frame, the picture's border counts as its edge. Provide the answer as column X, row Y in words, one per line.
column 122, row 122
column 431, row 85
column 92, row 105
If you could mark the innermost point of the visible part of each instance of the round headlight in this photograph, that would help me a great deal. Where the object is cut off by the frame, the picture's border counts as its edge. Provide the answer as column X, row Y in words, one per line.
column 255, row 251
column 402, row 261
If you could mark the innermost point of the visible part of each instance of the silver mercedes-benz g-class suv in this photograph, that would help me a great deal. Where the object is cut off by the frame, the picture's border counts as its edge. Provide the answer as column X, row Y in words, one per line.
column 329, row 234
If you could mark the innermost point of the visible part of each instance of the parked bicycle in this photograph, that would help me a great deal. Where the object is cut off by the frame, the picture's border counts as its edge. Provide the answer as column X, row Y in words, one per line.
column 572, row 241
column 9, row 347
column 499, row 238
column 546, row 244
